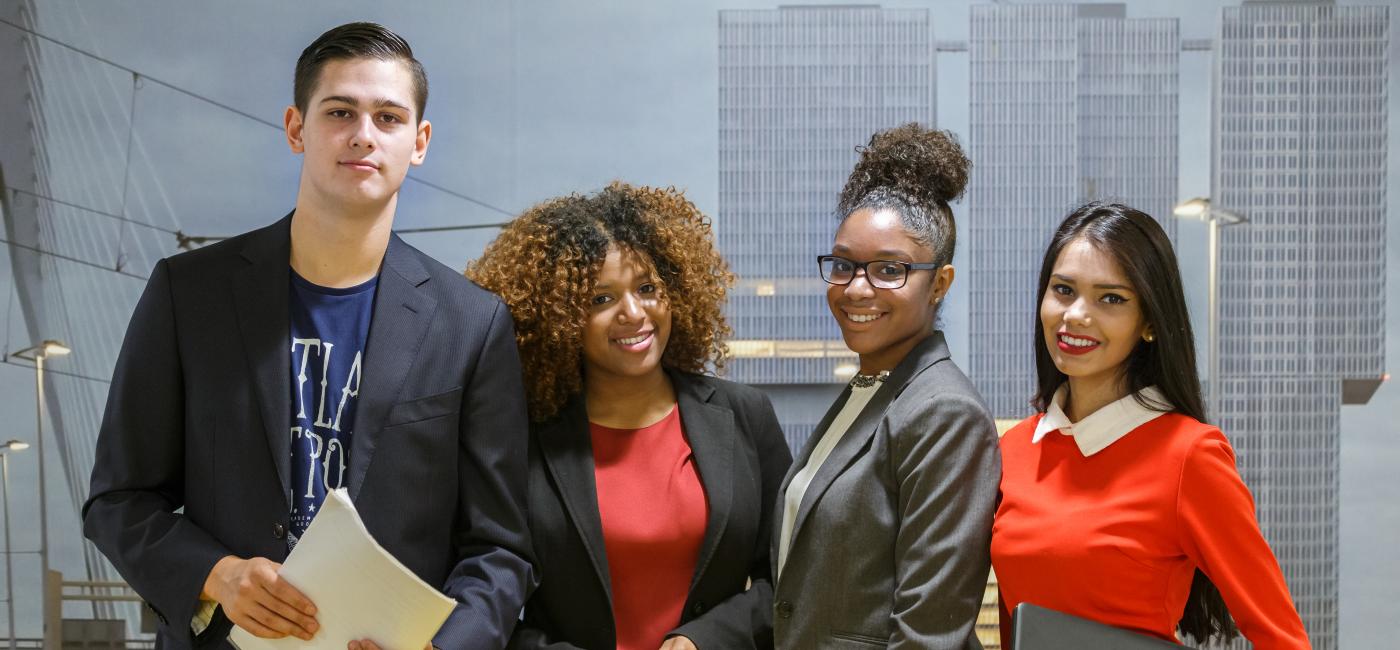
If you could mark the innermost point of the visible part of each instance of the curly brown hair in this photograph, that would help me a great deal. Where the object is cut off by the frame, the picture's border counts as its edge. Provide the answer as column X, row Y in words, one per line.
column 917, row 172
column 545, row 263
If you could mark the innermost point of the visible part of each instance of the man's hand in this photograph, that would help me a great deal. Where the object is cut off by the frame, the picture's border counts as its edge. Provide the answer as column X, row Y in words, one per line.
column 678, row 643
column 366, row 644
column 258, row 600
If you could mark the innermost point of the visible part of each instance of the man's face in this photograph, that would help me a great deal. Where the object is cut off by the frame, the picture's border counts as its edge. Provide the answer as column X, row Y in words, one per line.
column 359, row 134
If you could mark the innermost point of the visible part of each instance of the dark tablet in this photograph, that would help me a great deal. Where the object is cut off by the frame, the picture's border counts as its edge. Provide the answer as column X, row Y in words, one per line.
column 1038, row 628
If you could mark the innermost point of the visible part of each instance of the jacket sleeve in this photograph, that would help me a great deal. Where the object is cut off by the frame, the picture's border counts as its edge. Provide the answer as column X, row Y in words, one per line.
column 745, row 620
column 1219, row 532
column 496, row 569
column 947, row 464
column 529, row 635
column 138, row 473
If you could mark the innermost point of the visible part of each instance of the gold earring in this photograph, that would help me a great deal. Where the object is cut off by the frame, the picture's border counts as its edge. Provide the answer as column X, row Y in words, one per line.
column 1149, row 337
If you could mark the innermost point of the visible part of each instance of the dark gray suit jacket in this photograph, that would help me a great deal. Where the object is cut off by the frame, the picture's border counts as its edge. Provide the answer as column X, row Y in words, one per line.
column 891, row 543
column 741, row 456
column 193, row 457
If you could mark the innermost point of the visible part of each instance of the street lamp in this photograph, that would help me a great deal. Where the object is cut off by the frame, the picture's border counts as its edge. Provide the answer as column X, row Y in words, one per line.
column 1200, row 209
column 5, row 451
column 37, row 354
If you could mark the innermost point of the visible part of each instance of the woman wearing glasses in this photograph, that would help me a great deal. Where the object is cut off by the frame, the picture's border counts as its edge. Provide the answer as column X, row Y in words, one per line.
column 886, row 515
column 651, row 486
column 1119, row 503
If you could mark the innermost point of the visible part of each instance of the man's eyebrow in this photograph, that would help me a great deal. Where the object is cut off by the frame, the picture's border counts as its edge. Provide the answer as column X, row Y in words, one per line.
column 380, row 103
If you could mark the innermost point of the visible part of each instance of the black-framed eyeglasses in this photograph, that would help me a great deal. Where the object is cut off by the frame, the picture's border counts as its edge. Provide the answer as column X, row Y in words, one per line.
column 882, row 274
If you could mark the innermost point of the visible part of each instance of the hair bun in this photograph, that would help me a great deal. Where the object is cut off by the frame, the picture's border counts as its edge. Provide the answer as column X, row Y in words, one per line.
column 925, row 165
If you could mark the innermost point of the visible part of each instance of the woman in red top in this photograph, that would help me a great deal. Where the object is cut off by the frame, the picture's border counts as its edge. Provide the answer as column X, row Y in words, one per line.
column 651, row 485
column 1119, row 503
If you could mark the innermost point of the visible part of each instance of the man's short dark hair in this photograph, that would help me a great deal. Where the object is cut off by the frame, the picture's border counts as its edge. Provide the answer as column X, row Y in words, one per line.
column 356, row 41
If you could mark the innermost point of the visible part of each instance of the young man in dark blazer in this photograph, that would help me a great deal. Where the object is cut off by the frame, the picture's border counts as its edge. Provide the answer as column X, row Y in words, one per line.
column 319, row 352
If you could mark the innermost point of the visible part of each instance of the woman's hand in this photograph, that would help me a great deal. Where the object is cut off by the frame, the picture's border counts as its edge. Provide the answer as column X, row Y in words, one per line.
column 678, row 643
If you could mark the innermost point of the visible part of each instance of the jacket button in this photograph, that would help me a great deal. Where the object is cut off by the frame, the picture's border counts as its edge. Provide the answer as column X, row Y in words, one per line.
column 279, row 531
column 784, row 609
column 698, row 608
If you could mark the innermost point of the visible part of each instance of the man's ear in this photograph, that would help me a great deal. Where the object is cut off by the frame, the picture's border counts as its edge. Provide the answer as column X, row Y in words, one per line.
column 420, row 145
column 292, row 124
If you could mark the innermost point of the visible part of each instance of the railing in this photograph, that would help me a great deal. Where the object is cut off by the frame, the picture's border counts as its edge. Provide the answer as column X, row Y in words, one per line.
column 38, row 644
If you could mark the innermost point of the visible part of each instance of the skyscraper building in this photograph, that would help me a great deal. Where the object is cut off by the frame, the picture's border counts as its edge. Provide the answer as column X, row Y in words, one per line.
column 1069, row 103
column 800, row 87
column 1300, row 151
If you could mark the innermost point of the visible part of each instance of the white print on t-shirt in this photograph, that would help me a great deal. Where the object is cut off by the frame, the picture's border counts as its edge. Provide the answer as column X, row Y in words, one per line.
column 314, row 442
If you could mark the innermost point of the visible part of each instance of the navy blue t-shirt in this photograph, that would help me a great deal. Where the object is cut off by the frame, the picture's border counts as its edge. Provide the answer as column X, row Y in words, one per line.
column 329, row 328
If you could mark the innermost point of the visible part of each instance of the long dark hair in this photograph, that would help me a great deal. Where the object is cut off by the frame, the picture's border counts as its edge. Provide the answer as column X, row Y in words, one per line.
column 1141, row 248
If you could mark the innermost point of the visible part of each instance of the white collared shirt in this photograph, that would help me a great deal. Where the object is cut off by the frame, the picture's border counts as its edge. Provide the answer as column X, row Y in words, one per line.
column 1103, row 427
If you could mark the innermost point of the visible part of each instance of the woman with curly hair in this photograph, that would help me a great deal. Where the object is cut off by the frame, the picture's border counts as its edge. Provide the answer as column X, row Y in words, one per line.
column 651, row 485
column 904, row 467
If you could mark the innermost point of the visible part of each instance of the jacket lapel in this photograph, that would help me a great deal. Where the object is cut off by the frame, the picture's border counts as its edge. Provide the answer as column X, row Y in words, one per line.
column 929, row 351
column 567, row 449
column 846, row 450
column 402, row 312
column 260, row 295
column 797, row 464
column 711, row 432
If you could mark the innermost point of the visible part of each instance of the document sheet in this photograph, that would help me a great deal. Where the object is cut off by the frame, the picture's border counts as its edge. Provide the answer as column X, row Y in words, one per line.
column 360, row 590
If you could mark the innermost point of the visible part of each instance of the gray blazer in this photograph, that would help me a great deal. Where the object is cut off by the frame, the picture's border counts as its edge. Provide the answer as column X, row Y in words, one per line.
column 890, row 547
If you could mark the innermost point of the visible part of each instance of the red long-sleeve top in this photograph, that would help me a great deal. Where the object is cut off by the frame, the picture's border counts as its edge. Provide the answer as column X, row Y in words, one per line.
column 1116, row 536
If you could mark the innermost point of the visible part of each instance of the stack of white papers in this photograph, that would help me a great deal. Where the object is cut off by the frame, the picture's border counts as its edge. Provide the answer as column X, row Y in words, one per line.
column 360, row 590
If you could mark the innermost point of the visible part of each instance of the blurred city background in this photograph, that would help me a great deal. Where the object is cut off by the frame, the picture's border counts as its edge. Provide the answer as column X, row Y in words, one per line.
column 1257, row 132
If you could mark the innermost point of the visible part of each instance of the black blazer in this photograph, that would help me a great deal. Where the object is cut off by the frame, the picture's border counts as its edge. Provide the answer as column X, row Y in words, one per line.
column 198, row 417
column 741, row 456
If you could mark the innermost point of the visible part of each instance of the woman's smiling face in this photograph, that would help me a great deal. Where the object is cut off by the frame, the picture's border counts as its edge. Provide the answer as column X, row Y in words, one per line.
column 1091, row 315
column 882, row 325
column 629, row 321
